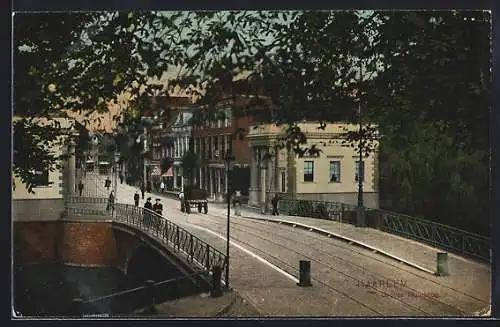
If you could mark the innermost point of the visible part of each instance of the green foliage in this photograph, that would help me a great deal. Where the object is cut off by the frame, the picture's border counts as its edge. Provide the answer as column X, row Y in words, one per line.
column 419, row 82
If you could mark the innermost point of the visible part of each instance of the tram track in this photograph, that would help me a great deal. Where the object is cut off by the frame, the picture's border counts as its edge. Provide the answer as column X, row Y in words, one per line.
column 244, row 225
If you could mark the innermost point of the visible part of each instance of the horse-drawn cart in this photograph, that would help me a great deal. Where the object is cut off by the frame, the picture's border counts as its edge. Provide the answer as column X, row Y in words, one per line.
column 194, row 197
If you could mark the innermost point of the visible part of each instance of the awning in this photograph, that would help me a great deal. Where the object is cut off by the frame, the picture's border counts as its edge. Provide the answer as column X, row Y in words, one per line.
column 103, row 163
column 168, row 173
column 89, row 161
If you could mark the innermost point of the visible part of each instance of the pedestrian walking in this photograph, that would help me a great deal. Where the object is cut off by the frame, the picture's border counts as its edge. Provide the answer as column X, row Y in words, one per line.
column 111, row 201
column 80, row 188
column 181, row 199
column 136, row 198
column 274, row 202
column 158, row 207
column 162, row 187
column 121, row 178
column 107, row 183
column 143, row 190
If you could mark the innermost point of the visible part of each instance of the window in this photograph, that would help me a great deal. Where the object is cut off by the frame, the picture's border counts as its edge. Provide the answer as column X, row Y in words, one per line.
column 41, row 178
column 356, row 177
column 308, row 171
column 334, row 171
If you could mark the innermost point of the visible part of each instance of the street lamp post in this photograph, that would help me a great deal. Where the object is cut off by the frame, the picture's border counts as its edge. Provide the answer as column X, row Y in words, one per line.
column 360, row 213
column 228, row 163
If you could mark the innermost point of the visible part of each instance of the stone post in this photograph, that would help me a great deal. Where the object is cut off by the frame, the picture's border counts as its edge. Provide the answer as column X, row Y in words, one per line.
column 263, row 178
column 304, row 273
column 442, row 264
column 292, row 174
column 253, row 191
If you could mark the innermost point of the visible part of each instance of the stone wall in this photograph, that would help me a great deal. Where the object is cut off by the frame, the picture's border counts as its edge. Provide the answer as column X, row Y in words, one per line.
column 87, row 244
column 37, row 209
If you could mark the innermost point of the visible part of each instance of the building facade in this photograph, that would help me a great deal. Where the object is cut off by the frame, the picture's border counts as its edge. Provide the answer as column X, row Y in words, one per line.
column 332, row 175
column 47, row 201
column 212, row 140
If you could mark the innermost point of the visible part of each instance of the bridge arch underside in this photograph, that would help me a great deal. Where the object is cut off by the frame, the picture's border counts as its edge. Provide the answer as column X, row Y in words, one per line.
column 146, row 259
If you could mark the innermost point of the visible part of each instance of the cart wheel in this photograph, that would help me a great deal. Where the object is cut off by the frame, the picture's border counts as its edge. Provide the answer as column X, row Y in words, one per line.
column 205, row 207
column 199, row 207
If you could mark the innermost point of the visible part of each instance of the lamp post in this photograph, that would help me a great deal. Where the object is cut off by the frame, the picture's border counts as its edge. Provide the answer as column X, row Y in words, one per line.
column 360, row 212
column 228, row 164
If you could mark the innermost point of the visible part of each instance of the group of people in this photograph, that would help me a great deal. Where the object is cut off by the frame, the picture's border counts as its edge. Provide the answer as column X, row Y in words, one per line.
column 157, row 207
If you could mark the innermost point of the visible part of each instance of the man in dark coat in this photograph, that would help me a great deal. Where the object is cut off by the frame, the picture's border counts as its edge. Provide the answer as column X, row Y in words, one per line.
column 147, row 214
column 121, row 178
column 111, row 201
column 136, row 198
column 80, row 188
column 143, row 190
column 158, row 207
column 107, row 183
column 274, row 202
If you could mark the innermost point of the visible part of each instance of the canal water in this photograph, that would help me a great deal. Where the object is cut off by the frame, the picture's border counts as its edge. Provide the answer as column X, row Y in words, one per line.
column 48, row 290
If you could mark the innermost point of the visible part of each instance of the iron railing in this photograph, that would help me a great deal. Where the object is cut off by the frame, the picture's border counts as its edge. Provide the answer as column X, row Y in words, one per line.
column 174, row 237
column 429, row 232
column 143, row 296
column 432, row 233
column 316, row 209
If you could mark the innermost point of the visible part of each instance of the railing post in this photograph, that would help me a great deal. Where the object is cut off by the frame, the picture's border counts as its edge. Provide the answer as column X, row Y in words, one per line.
column 207, row 261
column 191, row 249
column 150, row 294
column 177, row 237
column 216, row 289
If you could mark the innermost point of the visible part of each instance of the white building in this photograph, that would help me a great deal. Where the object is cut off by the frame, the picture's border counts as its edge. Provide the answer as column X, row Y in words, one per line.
column 330, row 176
column 47, row 201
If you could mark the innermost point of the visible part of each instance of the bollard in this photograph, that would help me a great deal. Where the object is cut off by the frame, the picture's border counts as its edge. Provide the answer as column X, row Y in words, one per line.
column 150, row 293
column 216, row 287
column 442, row 264
column 304, row 273
column 76, row 307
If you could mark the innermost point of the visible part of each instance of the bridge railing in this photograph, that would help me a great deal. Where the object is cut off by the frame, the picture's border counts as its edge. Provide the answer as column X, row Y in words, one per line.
column 435, row 234
column 439, row 235
column 176, row 238
column 316, row 209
